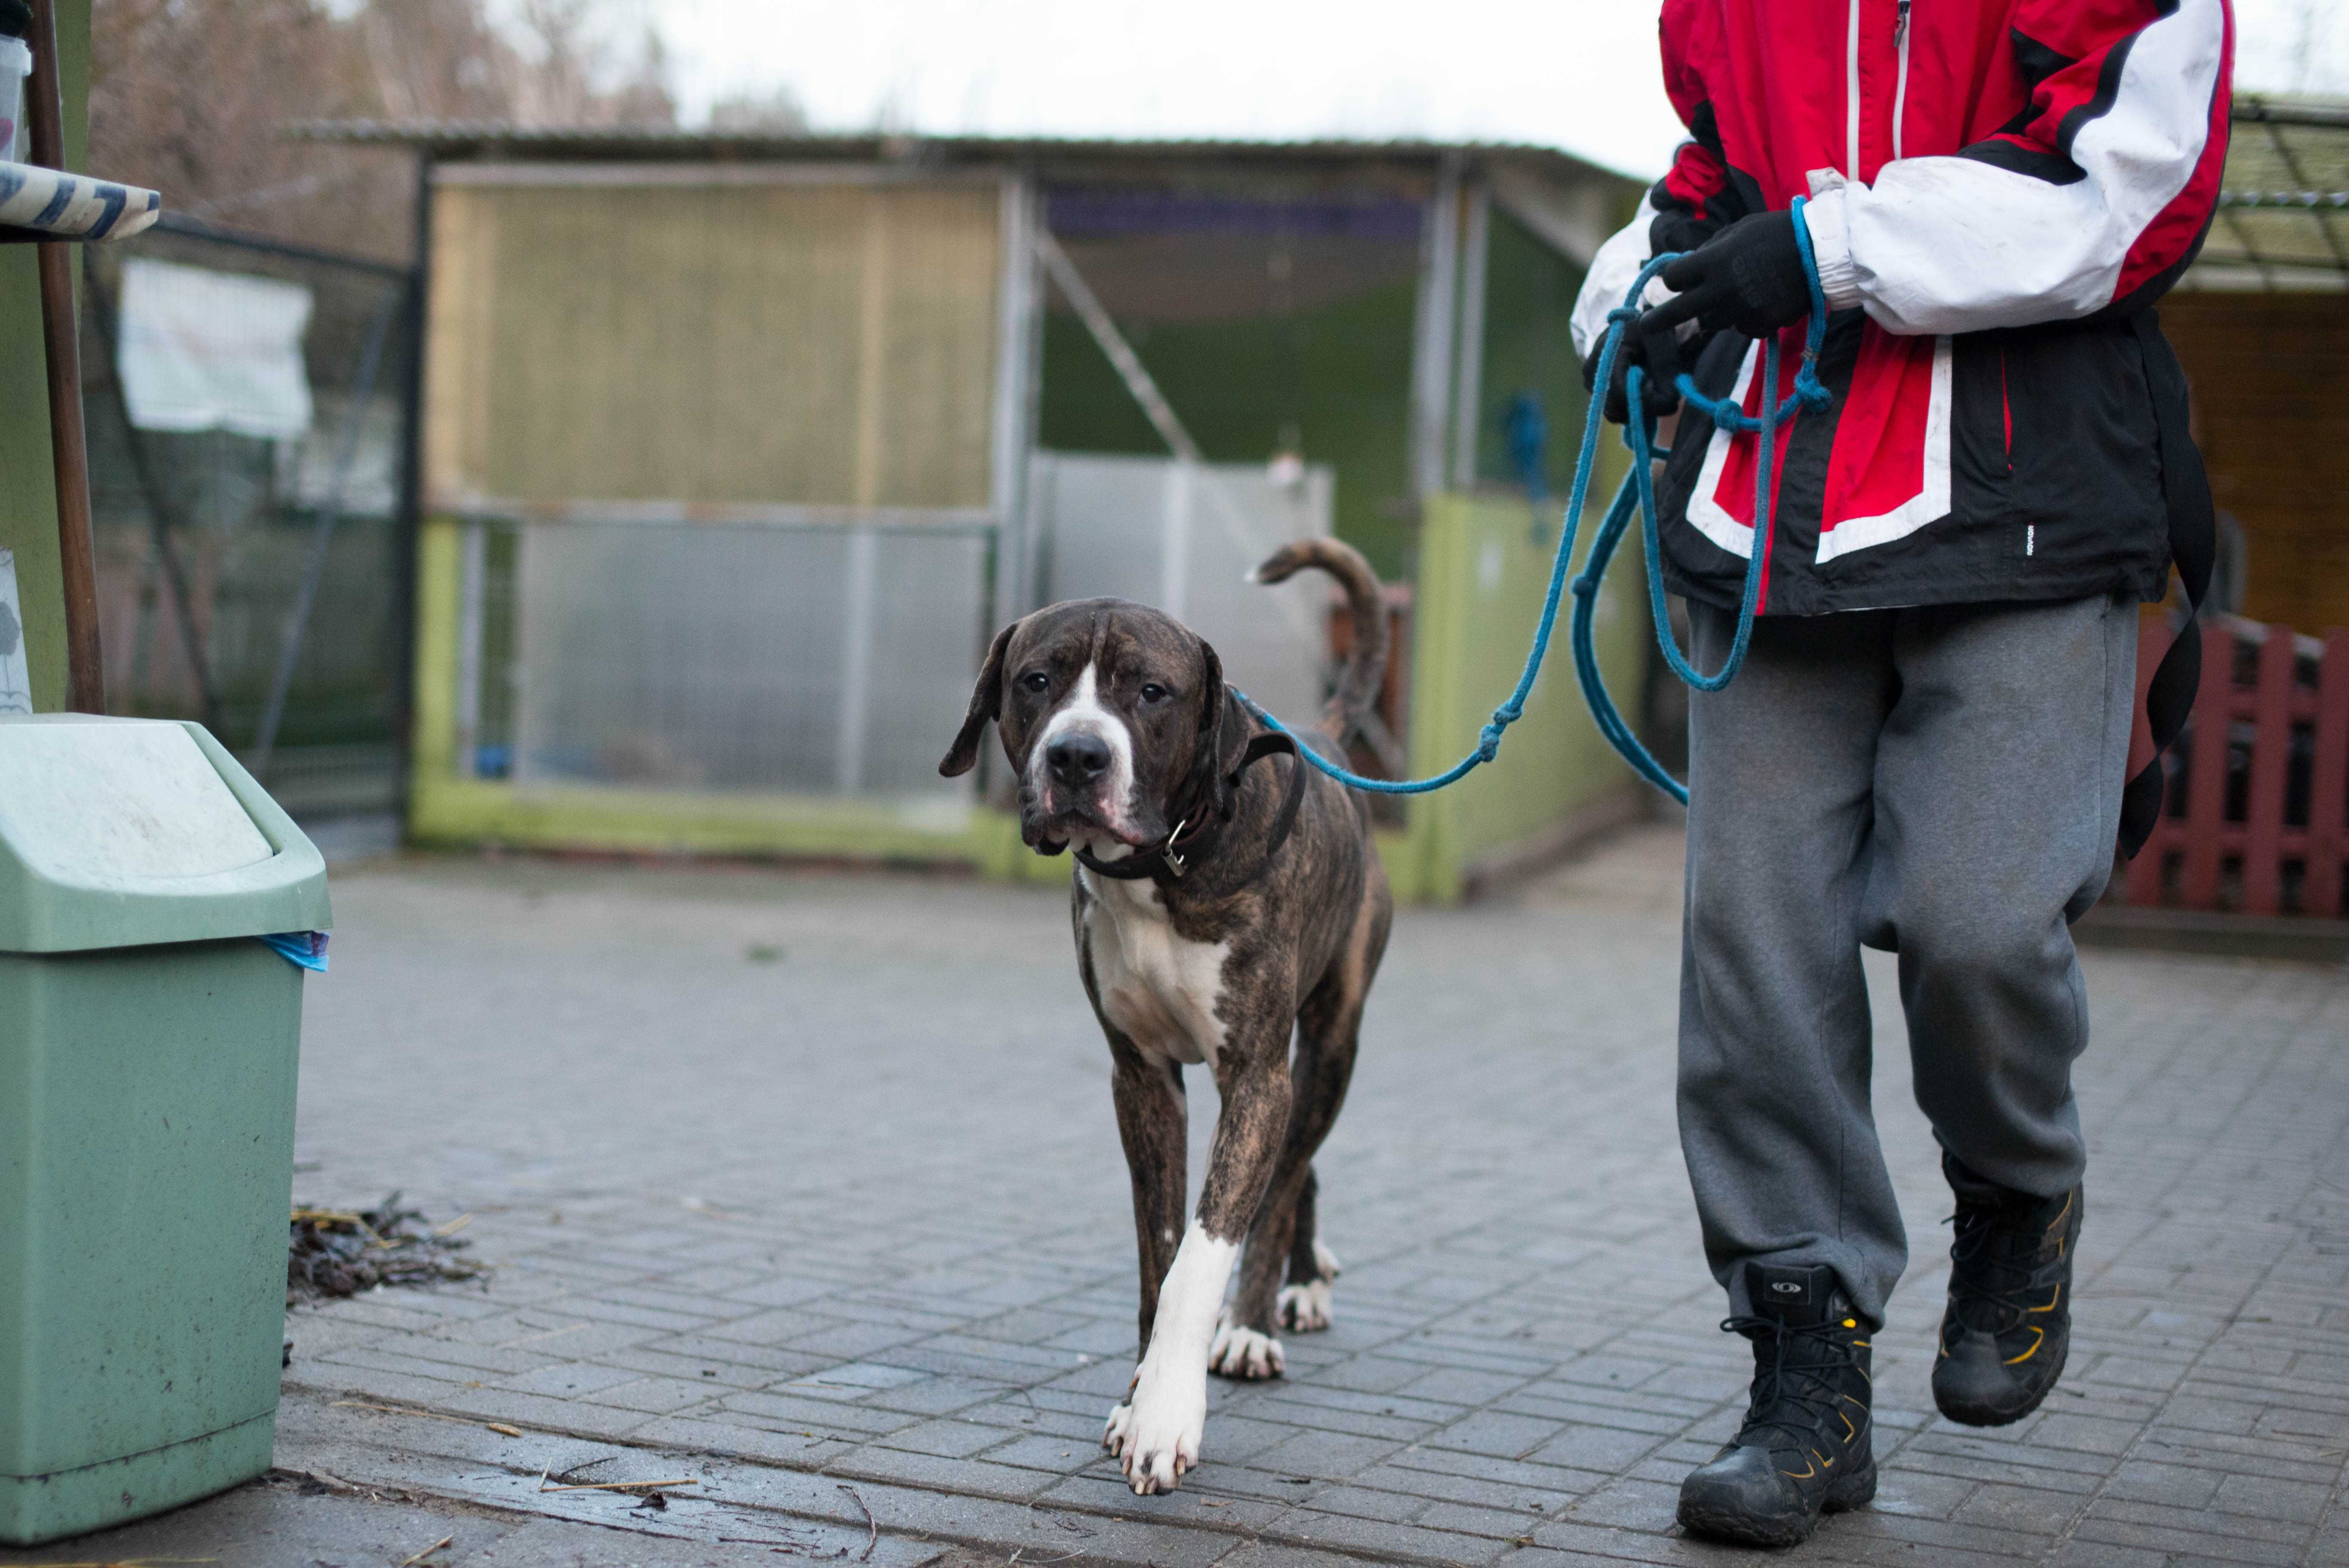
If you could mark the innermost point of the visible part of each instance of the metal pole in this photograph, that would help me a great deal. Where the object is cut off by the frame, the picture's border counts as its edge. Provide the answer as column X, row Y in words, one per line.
column 1468, row 343
column 68, row 453
column 262, row 245
column 1435, row 311
column 297, row 621
column 1112, row 344
column 409, row 527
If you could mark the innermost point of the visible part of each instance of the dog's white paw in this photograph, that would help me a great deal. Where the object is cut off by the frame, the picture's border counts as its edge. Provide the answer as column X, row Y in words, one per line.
column 1304, row 1307
column 1155, row 1433
column 1244, row 1352
column 1326, row 1262
column 1119, row 1424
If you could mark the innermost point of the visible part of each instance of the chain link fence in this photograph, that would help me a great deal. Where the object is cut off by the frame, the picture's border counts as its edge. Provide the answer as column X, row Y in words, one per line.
column 249, row 497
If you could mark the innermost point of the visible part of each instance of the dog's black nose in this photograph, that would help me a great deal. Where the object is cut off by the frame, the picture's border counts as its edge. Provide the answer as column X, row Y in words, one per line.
column 1077, row 760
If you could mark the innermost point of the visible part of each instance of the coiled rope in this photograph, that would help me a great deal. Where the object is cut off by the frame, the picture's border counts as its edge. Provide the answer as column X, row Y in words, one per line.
column 1636, row 490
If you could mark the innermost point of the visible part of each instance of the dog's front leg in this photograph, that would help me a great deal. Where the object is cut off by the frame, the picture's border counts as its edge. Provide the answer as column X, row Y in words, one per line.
column 1167, row 1412
column 1153, row 1124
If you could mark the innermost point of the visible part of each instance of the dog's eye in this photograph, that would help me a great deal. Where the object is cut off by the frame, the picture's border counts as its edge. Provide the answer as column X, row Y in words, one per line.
column 1152, row 692
column 1036, row 681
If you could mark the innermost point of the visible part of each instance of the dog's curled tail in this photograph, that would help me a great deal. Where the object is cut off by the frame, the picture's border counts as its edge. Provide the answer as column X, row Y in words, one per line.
column 1366, row 660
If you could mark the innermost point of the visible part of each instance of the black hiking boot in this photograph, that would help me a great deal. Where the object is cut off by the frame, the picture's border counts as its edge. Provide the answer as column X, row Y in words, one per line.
column 1804, row 1450
column 2009, row 1324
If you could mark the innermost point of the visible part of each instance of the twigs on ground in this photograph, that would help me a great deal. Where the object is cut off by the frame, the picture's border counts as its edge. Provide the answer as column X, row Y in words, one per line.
column 412, row 1562
column 654, row 1496
column 871, row 1525
column 617, row 1485
column 576, row 1471
column 498, row 1426
column 338, row 1253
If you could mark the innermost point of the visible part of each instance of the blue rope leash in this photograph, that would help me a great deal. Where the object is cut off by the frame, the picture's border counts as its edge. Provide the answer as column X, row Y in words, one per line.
column 1638, row 488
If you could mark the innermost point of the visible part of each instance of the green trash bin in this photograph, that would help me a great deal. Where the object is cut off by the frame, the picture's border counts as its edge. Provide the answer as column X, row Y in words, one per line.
column 148, row 1053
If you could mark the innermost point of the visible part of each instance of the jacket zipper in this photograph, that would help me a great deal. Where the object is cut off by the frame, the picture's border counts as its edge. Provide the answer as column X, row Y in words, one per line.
column 1900, row 89
column 1851, row 97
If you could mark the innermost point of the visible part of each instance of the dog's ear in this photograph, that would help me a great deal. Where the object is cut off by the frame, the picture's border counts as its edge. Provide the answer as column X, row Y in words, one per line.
column 986, row 703
column 1208, row 747
column 1211, row 698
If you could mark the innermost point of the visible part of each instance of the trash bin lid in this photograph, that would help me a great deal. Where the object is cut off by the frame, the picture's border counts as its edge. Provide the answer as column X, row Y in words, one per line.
column 122, row 832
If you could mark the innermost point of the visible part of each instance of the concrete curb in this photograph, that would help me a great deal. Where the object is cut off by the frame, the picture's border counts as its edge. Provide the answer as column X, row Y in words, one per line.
column 2214, row 936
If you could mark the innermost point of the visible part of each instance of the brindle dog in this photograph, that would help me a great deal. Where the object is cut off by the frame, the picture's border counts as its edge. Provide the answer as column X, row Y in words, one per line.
column 1127, row 745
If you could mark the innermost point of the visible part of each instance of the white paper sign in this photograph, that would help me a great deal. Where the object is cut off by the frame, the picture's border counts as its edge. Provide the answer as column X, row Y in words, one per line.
column 200, row 350
column 16, row 675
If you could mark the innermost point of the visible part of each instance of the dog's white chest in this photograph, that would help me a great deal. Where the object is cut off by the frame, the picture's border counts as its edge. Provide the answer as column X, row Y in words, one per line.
column 1158, row 989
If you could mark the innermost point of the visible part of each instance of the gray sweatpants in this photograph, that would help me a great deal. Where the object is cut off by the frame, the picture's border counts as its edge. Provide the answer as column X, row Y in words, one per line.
column 1942, row 782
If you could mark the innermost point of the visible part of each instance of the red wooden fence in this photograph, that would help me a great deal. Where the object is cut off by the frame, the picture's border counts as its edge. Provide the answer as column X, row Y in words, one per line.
column 2257, row 817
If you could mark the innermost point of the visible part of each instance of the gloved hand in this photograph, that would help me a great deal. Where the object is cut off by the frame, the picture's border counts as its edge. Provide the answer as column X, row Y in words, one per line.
column 1749, row 277
column 1656, row 350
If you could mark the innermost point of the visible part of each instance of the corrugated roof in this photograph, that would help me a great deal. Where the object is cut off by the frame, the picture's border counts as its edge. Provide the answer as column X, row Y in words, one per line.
column 469, row 139
column 2283, row 205
column 2283, row 218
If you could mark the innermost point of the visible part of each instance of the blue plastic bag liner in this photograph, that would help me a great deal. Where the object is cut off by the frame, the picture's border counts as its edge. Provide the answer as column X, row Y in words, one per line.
column 307, row 948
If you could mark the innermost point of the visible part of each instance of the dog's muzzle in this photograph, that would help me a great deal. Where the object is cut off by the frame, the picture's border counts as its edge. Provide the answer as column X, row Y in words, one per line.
column 1066, row 794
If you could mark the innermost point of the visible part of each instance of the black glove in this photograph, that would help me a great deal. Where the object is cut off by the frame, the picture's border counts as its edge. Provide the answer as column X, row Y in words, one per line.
column 1656, row 351
column 1749, row 276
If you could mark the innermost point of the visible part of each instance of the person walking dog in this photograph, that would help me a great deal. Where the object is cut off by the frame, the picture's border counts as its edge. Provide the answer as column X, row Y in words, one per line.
column 1926, row 748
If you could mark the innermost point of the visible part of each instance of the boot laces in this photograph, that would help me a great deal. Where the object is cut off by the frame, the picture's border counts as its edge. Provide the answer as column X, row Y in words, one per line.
column 1992, row 1293
column 1794, row 1391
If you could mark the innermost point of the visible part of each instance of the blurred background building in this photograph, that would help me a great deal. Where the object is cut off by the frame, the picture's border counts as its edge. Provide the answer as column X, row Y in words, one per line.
column 737, row 447
column 489, row 456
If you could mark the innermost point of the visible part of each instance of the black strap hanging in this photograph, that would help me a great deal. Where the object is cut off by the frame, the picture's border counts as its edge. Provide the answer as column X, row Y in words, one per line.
column 2193, row 545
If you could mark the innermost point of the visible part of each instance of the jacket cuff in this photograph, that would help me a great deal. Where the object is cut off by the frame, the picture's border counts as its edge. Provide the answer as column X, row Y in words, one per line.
column 1831, row 248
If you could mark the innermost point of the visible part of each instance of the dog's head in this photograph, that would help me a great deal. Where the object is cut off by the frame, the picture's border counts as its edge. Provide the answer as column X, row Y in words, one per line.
column 1113, row 717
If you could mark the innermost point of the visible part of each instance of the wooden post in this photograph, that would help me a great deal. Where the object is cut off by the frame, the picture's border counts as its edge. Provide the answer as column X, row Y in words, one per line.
column 2206, row 772
column 2270, row 765
column 45, row 119
column 2328, row 799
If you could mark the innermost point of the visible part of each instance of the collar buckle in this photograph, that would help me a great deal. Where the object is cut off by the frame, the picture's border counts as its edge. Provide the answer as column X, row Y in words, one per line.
column 1174, row 861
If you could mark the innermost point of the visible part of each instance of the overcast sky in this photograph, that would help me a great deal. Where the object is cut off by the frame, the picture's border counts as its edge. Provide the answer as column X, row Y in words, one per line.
column 1575, row 74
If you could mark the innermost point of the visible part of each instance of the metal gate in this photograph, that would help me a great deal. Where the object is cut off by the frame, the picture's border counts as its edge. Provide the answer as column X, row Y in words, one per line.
column 733, row 657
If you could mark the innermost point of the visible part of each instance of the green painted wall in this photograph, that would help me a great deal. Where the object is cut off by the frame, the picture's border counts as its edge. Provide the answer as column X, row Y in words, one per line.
column 1341, row 373
column 1483, row 575
column 28, row 496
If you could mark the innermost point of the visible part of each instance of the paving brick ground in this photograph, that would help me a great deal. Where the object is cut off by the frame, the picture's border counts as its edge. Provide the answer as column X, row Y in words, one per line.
column 808, row 1184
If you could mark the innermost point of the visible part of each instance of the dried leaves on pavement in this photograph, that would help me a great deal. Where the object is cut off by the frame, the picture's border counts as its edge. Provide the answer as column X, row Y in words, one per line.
column 337, row 1253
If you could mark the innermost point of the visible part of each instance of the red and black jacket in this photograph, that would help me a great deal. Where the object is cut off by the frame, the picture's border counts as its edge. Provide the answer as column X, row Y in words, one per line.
column 2000, row 189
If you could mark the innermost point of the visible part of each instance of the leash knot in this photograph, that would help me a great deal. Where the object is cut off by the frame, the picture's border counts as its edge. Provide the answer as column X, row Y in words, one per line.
column 1488, row 740
column 1809, row 389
